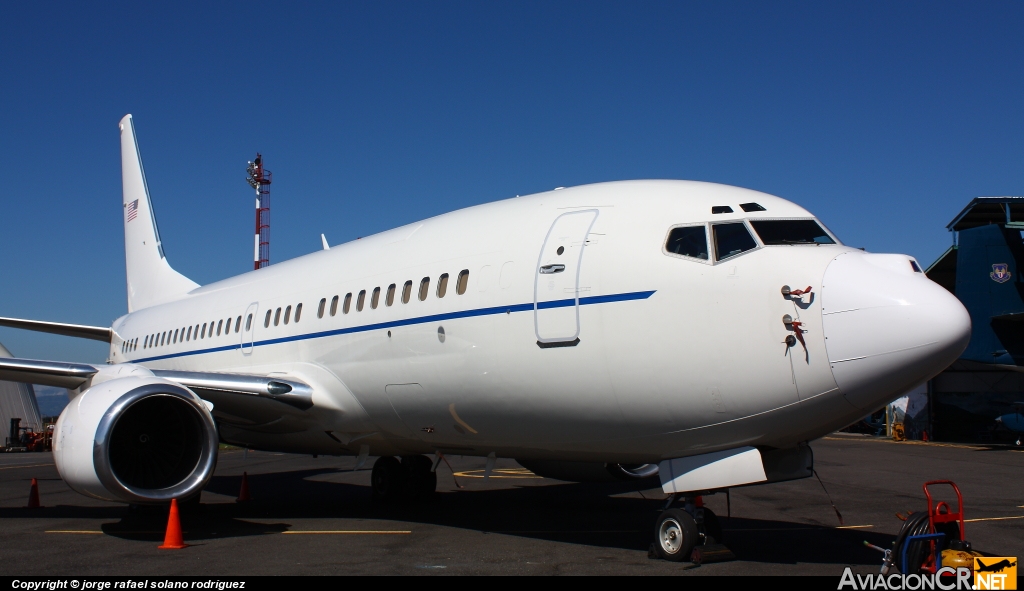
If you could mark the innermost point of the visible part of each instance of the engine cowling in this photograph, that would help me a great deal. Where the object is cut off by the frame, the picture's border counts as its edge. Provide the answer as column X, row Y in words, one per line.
column 589, row 471
column 136, row 439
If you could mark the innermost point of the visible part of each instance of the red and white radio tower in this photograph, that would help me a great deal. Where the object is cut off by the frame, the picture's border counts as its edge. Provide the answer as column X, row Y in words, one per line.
column 259, row 179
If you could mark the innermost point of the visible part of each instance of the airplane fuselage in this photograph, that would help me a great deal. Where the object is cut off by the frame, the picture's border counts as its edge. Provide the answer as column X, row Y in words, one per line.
column 628, row 353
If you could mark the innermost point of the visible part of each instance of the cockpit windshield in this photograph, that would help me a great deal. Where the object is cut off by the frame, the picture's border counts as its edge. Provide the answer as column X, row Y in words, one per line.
column 774, row 232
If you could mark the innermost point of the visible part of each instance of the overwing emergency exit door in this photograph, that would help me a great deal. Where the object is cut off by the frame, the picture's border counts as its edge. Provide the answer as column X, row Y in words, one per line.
column 556, row 298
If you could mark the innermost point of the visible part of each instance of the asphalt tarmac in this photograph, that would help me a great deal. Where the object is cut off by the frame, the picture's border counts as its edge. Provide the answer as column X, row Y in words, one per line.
column 314, row 516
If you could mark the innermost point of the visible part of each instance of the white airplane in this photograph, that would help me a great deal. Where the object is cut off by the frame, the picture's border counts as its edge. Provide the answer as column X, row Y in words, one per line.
column 700, row 332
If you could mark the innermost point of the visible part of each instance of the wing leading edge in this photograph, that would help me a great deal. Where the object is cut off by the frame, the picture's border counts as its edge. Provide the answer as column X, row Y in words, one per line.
column 237, row 398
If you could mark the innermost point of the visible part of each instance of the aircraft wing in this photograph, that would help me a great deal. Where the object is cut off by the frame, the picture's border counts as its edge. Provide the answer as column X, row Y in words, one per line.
column 244, row 400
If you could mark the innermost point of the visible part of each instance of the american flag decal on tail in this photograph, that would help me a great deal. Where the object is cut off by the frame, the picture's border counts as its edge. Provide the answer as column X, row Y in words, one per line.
column 133, row 210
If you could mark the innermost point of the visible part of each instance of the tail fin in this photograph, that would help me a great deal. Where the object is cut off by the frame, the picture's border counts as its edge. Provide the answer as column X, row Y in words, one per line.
column 988, row 262
column 151, row 280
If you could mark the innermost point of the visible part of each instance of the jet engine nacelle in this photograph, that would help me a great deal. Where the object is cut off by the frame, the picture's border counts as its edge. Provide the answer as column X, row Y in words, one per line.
column 136, row 439
column 589, row 471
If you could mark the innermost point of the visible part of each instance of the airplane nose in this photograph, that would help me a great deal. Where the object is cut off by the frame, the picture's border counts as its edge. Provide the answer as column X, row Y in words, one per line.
column 887, row 327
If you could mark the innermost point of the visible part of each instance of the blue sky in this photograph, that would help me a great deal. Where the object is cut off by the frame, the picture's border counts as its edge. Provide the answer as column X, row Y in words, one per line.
column 884, row 119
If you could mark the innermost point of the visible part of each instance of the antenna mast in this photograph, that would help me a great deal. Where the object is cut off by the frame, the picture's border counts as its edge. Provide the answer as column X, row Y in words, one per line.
column 259, row 179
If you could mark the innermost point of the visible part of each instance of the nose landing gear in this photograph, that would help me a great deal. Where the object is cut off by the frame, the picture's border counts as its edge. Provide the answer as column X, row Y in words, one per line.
column 675, row 535
column 691, row 533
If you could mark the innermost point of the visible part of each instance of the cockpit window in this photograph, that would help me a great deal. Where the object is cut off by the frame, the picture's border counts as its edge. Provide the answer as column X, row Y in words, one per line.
column 690, row 241
column 732, row 239
column 791, row 232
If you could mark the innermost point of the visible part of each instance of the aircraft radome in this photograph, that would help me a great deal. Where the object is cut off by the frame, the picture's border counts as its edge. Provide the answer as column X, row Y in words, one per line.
column 699, row 332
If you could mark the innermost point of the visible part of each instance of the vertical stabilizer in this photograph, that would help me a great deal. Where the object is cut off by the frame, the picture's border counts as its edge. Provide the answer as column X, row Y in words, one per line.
column 151, row 280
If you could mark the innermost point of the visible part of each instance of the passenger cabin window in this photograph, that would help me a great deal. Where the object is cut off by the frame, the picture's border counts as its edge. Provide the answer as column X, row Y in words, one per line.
column 424, row 288
column 442, row 285
column 360, row 301
column 298, row 312
column 334, row 305
column 323, row 304
column 266, row 321
column 774, row 232
column 348, row 303
column 688, row 241
column 463, row 282
column 731, row 240
column 375, row 298
column 188, row 335
column 277, row 317
column 175, row 336
column 248, row 322
column 406, row 292
column 238, row 324
column 287, row 314
column 390, row 299
column 220, row 323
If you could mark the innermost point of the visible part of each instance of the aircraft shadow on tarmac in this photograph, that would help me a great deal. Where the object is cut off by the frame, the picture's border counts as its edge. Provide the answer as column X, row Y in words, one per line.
column 571, row 513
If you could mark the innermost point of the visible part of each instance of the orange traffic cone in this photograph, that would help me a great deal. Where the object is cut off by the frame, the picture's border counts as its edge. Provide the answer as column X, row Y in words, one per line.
column 173, row 539
column 33, row 496
column 243, row 493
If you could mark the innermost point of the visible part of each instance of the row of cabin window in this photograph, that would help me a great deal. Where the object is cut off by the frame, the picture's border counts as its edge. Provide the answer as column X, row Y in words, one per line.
column 277, row 316
column 187, row 333
column 389, row 298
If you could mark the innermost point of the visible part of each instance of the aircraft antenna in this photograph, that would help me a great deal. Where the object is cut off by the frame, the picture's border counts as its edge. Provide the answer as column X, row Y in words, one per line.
column 259, row 179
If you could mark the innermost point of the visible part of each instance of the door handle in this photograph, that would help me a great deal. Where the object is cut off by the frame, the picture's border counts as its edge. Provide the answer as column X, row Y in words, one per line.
column 549, row 269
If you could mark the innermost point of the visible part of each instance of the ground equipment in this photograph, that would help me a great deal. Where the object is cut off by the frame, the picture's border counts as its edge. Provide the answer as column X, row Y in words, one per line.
column 934, row 538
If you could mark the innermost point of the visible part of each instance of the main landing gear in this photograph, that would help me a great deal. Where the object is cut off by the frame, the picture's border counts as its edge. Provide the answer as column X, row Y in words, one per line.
column 411, row 478
column 690, row 532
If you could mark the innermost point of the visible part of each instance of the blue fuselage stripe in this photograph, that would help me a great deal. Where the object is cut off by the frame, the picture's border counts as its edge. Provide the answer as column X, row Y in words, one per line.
column 605, row 299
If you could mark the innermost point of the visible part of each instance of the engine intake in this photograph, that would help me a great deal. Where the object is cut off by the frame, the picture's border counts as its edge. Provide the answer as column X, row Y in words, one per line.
column 153, row 441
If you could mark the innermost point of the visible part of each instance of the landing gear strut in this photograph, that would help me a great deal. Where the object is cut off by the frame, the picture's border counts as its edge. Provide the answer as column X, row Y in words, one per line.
column 410, row 478
column 687, row 533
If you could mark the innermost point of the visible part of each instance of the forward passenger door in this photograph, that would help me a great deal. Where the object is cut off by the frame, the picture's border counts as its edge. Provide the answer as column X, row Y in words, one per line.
column 556, row 298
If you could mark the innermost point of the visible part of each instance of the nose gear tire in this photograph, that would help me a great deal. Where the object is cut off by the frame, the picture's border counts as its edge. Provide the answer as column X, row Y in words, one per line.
column 675, row 535
column 388, row 479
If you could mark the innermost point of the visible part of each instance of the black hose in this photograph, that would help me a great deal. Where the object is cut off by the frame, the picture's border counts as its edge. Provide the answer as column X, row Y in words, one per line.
column 917, row 550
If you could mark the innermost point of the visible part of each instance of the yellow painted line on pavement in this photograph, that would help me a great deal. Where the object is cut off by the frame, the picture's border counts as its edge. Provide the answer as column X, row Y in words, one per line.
column 560, row 531
column 823, row 527
column 499, row 473
column 994, row 518
column 25, row 466
column 907, row 442
column 352, row 531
